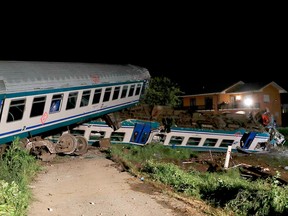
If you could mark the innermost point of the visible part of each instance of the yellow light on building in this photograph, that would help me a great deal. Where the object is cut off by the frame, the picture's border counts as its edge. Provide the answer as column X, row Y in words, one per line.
column 238, row 97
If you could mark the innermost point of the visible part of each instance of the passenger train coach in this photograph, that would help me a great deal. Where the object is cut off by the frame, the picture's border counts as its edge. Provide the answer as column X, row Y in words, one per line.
column 140, row 132
column 38, row 97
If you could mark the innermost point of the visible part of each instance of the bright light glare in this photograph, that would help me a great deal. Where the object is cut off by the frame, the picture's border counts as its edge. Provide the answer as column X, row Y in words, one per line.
column 240, row 112
column 248, row 102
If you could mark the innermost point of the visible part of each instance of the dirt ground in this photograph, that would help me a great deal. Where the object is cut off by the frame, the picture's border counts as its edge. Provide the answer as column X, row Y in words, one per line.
column 91, row 185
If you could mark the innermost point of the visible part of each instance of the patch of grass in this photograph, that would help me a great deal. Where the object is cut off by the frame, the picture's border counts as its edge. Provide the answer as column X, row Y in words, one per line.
column 136, row 156
column 18, row 168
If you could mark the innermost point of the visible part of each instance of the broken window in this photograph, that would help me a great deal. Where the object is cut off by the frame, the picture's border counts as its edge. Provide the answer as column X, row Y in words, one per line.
column 56, row 103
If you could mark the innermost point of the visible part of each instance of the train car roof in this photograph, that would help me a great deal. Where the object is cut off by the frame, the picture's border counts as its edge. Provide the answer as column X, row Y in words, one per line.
column 23, row 76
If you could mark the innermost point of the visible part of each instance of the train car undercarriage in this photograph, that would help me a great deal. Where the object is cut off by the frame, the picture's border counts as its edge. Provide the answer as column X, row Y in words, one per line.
column 43, row 148
column 46, row 150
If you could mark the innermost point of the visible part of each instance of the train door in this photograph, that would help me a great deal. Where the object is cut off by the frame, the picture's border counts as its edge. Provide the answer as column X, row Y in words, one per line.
column 140, row 133
column 247, row 139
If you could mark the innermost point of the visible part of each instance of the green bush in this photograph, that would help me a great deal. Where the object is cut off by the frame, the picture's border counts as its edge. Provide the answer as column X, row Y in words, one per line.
column 12, row 201
column 18, row 168
column 283, row 131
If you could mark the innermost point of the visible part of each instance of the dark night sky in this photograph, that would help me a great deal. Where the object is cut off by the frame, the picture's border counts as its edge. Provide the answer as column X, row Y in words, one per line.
column 193, row 51
column 190, row 66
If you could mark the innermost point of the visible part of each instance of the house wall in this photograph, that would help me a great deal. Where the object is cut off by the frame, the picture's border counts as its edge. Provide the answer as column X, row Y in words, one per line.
column 274, row 104
column 224, row 98
column 200, row 101
column 186, row 101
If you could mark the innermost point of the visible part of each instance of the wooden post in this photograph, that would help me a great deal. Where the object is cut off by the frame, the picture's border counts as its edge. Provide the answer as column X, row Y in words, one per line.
column 226, row 165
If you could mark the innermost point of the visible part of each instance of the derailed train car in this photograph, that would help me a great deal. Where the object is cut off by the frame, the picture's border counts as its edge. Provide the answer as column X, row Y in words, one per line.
column 142, row 132
column 37, row 98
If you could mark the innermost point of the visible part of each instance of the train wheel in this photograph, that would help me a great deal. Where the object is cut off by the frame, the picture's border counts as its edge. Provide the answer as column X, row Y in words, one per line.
column 66, row 144
column 82, row 145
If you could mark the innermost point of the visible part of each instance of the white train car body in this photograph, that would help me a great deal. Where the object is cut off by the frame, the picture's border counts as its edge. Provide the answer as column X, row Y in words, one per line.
column 140, row 132
column 37, row 97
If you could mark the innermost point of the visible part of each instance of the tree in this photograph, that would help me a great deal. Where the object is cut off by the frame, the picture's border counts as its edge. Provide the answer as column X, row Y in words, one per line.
column 162, row 91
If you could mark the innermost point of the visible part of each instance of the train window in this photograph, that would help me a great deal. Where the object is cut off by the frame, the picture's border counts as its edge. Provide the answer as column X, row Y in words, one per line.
column 107, row 94
column 85, row 98
column 138, row 89
column 54, row 137
column 117, row 136
column 72, row 99
column 194, row 141
column 1, row 103
column 16, row 110
column 116, row 93
column 77, row 132
column 144, row 137
column 210, row 142
column 134, row 137
column 158, row 138
column 97, row 96
column 176, row 140
column 124, row 91
column 226, row 143
column 96, row 135
column 38, row 106
column 56, row 103
column 131, row 90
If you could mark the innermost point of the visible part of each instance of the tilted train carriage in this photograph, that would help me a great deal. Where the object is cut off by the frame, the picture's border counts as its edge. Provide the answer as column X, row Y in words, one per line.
column 40, row 97
column 142, row 132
